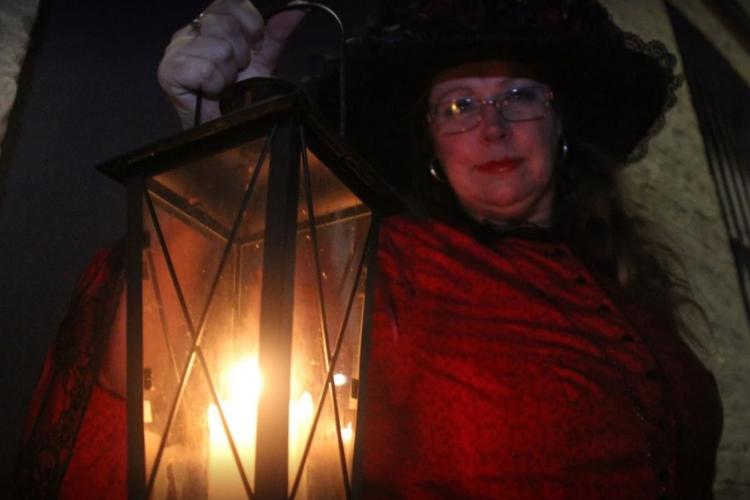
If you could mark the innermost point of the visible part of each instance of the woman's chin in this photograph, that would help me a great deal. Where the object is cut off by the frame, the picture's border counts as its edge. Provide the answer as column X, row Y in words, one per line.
column 510, row 210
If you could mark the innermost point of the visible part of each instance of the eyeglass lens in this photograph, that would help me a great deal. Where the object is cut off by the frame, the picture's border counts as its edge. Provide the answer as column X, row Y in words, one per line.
column 518, row 104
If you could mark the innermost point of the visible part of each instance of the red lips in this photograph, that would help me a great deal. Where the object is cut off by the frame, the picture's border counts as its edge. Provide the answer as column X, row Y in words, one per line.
column 497, row 166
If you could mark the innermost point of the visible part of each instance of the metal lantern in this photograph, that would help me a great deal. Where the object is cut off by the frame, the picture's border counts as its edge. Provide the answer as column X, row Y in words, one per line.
column 251, row 244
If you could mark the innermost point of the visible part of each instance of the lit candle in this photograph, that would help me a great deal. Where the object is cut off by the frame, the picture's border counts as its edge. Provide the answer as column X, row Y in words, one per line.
column 347, row 434
column 301, row 413
column 244, row 383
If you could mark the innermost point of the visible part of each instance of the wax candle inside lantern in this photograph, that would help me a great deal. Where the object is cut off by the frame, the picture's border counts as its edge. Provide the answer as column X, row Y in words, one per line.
column 244, row 384
column 347, row 436
column 301, row 412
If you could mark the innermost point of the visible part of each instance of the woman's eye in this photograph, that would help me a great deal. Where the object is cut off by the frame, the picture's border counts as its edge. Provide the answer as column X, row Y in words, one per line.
column 460, row 106
column 522, row 95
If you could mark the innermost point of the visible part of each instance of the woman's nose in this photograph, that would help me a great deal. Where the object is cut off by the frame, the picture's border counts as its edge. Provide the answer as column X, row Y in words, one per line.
column 494, row 124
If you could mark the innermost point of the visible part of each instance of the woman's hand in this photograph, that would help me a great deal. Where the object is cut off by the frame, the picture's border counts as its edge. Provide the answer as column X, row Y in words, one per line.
column 229, row 43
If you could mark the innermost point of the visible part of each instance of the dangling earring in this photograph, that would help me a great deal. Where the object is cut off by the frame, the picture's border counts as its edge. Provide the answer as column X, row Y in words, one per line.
column 563, row 150
column 435, row 171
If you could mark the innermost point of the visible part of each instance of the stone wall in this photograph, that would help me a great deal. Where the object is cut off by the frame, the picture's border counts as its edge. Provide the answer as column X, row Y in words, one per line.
column 673, row 187
column 16, row 19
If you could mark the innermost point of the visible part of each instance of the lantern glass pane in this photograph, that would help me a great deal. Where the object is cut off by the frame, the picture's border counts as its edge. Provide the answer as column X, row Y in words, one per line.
column 180, row 473
column 203, row 273
column 333, row 226
column 201, row 319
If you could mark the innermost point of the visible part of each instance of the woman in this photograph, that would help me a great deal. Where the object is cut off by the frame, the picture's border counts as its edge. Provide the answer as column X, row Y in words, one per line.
column 525, row 341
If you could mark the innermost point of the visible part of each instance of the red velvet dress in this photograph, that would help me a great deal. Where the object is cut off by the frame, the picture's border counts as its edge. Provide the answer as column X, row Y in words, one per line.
column 500, row 369
column 505, row 369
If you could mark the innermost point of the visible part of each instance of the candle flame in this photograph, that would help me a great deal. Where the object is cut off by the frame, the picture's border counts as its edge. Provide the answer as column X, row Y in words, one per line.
column 242, row 384
column 339, row 379
column 347, row 433
column 244, row 381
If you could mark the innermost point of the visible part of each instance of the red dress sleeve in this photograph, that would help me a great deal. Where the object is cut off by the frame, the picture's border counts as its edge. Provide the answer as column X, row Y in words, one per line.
column 68, row 377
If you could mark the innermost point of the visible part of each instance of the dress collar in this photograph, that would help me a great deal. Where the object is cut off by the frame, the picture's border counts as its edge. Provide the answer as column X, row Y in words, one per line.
column 488, row 233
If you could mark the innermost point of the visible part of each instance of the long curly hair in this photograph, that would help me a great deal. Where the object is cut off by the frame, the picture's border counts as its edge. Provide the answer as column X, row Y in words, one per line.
column 589, row 214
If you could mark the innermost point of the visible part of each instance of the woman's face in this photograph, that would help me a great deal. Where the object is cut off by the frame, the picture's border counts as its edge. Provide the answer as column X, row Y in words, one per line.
column 500, row 170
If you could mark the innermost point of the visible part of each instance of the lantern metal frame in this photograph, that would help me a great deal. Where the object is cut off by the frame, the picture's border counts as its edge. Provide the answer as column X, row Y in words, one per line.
column 295, row 126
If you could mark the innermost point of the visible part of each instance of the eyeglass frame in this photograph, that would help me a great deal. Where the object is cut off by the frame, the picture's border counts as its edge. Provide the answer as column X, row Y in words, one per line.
column 498, row 101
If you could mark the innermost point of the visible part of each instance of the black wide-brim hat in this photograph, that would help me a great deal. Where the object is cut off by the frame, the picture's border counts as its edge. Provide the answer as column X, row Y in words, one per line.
column 612, row 87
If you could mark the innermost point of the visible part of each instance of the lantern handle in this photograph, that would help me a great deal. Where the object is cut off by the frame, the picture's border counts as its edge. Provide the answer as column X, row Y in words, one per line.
column 305, row 5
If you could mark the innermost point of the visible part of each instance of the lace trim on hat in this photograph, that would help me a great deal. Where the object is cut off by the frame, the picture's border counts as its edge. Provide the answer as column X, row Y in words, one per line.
column 657, row 51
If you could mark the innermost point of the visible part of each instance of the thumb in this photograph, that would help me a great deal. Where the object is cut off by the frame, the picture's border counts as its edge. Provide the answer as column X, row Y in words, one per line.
column 275, row 35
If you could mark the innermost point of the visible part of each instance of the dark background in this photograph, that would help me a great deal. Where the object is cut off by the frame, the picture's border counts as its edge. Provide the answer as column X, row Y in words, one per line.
column 87, row 92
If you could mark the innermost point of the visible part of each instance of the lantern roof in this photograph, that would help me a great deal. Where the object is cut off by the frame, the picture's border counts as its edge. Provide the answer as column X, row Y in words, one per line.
column 250, row 124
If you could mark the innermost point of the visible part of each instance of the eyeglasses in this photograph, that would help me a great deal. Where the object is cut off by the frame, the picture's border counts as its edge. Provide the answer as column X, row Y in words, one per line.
column 453, row 116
